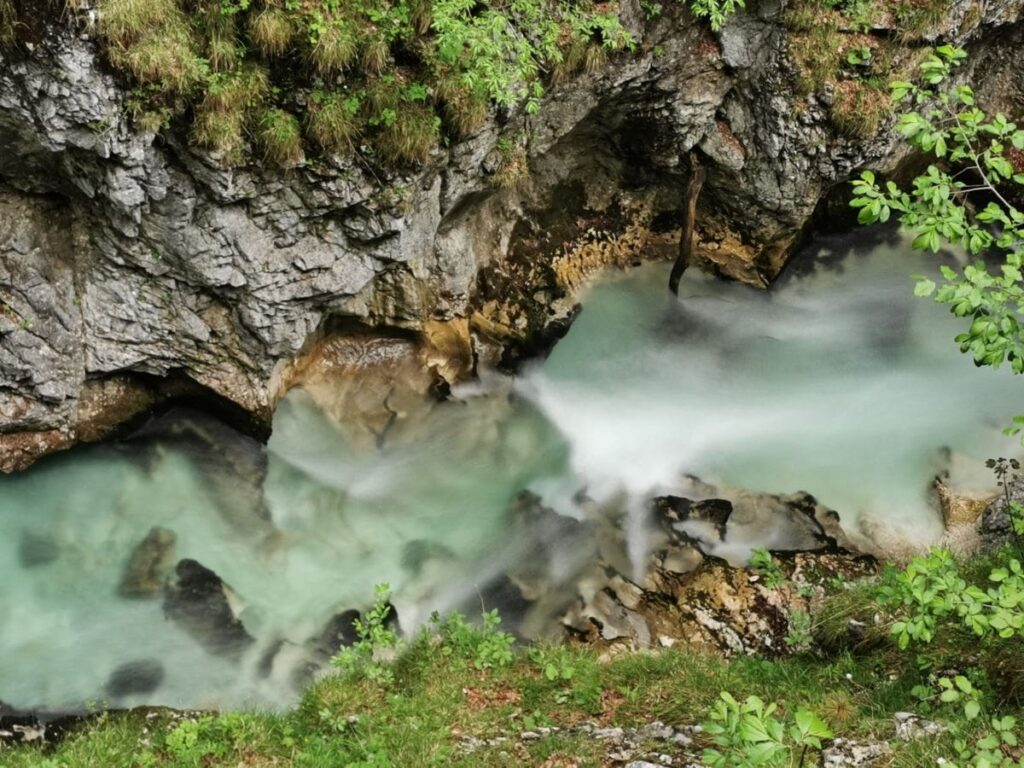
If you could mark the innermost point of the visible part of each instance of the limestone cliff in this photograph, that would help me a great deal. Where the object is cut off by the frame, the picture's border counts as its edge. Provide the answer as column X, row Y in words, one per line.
column 134, row 267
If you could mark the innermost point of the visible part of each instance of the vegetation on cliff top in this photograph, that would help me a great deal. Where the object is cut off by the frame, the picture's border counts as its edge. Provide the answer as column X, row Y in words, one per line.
column 389, row 77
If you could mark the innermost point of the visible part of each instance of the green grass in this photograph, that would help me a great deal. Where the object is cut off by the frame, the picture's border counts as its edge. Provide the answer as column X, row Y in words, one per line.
column 280, row 137
column 331, row 121
column 438, row 697
column 272, row 32
column 8, row 23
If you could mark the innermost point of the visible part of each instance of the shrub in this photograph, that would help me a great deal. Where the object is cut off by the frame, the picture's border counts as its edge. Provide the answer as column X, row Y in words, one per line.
column 715, row 11
column 280, row 138
column 749, row 734
column 375, row 635
column 485, row 647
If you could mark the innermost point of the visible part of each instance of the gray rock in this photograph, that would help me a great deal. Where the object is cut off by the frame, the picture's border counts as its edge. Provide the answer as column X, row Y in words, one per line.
column 911, row 727
column 845, row 753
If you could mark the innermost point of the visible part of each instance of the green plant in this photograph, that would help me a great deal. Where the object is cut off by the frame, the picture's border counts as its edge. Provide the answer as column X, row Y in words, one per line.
column 715, row 11
column 859, row 56
column 764, row 564
column 992, row 749
column 930, row 589
column 652, row 10
column 272, row 31
column 959, row 200
column 281, row 138
column 749, row 734
column 332, row 121
column 377, row 639
column 554, row 665
column 485, row 647
column 799, row 637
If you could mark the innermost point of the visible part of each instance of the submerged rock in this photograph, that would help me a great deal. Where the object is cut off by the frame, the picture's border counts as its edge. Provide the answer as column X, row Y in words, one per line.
column 135, row 677
column 199, row 602
column 150, row 564
column 36, row 549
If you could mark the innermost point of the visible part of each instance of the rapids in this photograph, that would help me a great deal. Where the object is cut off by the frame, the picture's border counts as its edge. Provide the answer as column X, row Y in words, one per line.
column 837, row 382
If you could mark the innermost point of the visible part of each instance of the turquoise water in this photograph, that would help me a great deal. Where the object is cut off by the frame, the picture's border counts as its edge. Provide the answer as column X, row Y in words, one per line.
column 837, row 382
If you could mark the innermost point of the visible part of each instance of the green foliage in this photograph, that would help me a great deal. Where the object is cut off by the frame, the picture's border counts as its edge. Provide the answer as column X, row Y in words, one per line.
column 931, row 590
column 715, row 11
column 485, row 647
column 281, row 138
column 764, row 564
column 859, row 56
column 554, row 665
column 464, row 56
column 960, row 200
column 799, row 637
column 377, row 640
column 749, row 734
column 992, row 748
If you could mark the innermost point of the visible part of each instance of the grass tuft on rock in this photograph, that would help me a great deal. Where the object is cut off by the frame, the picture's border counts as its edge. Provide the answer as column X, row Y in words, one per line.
column 280, row 138
column 8, row 23
column 410, row 136
column 272, row 32
column 223, row 131
column 859, row 108
column 334, row 49
column 332, row 122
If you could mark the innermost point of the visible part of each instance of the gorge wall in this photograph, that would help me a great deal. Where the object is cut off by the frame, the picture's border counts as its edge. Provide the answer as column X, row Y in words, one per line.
column 134, row 267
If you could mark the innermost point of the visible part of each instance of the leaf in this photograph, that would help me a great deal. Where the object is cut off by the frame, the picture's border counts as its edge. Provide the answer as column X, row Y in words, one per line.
column 812, row 725
column 972, row 709
column 924, row 287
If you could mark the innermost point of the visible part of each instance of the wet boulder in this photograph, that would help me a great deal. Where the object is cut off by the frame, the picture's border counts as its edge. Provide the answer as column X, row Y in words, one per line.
column 201, row 604
column 135, row 678
column 150, row 564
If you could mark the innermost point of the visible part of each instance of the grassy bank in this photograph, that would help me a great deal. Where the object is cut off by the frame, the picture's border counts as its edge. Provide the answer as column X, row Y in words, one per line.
column 460, row 695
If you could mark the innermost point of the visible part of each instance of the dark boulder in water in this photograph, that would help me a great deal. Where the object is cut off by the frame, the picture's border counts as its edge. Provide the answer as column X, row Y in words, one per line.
column 198, row 601
column 135, row 677
column 36, row 549
column 150, row 564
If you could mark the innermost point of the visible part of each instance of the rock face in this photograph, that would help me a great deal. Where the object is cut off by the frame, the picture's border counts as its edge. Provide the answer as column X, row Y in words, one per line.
column 130, row 257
